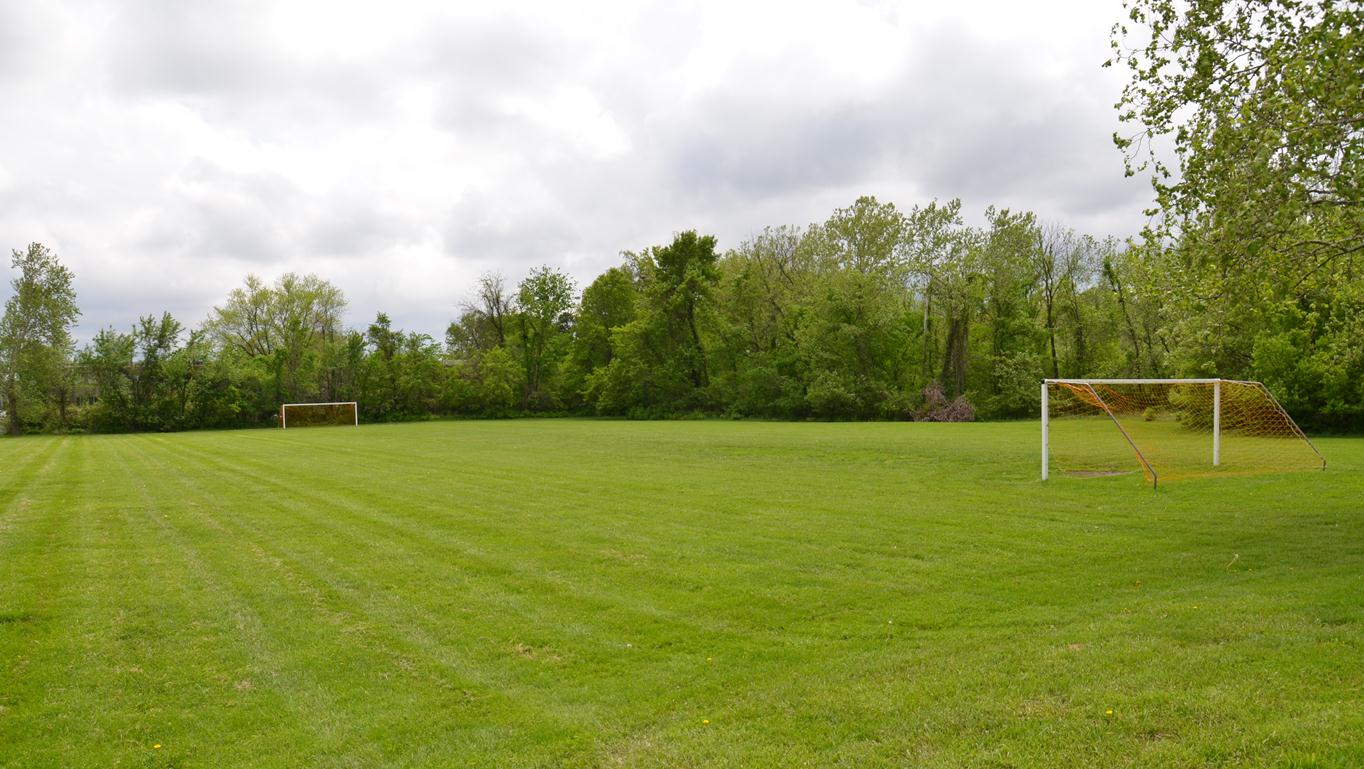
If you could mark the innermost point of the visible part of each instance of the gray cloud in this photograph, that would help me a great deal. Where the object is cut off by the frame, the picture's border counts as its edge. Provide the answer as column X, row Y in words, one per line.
column 226, row 214
column 167, row 149
column 223, row 61
column 18, row 43
column 960, row 119
column 480, row 236
column 193, row 49
column 358, row 228
column 757, row 150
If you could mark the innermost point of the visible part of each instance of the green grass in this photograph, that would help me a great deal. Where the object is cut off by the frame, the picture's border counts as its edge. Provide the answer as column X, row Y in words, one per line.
column 591, row 593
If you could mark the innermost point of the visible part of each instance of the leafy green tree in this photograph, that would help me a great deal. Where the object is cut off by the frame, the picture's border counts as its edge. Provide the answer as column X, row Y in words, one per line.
column 543, row 320
column 284, row 329
column 639, row 382
column 340, row 358
column 107, row 361
column 35, row 337
column 214, row 391
column 680, row 283
column 608, row 303
column 478, row 343
column 1259, row 241
column 1260, row 104
column 1126, row 274
column 611, row 301
column 855, row 333
column 660, row 364
column 308, row 318
column 868, row 237
column 1065, row 263
column 933, row 235
column 484, row 323
column 402, row 375
column 500, row 382
column 465, row 336
column 1009, row 370
column 382, row 370
column 247, row 322
column 423, row 376
column 153, row 376
column 959, row 290
column 762, row 300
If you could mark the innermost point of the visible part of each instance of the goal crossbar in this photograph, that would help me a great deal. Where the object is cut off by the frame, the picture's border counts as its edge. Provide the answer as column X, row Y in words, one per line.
column 284, row 410
column 1083, row 382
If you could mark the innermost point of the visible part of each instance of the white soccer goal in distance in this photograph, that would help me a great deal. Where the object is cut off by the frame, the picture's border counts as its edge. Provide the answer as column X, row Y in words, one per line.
column 1169, row 428
column 318, row 414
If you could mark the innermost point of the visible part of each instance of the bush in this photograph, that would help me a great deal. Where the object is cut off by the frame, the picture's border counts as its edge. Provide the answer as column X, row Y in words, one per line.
column 1013, row 377
column 831, row 397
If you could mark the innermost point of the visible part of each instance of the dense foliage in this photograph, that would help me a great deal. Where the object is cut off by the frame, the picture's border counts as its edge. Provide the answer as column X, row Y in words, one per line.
column 35, row 341
column 1249, row 117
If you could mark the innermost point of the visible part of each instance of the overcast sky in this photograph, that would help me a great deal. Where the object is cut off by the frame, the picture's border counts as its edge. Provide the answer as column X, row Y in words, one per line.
column 165, row 149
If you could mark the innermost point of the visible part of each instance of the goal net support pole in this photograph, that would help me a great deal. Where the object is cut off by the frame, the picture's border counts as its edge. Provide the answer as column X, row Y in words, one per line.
column 1046, row 427
column 1217, row 423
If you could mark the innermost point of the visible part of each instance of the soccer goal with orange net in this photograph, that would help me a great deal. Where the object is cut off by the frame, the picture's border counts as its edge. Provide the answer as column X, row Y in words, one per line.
column 318, row 414
column 1169, row 428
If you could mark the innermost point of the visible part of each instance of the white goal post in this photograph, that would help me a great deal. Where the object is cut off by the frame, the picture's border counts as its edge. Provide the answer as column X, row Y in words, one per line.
column 1169, row 428
column 284, row 410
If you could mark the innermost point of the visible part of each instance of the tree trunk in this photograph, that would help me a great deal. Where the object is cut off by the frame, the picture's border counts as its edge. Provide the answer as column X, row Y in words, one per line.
column 700, row 376
column 1127, row 320
column 928, row 339
column 1081, row 343
column 954, row 358
column 1051, row 338
column 14, row 425
column 63, row 397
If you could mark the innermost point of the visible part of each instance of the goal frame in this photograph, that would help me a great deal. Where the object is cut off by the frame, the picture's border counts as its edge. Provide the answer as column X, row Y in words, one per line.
column 284, row 410
column 1216, row 415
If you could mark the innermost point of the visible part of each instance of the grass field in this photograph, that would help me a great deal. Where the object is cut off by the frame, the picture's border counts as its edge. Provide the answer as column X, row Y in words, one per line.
column 633, row 594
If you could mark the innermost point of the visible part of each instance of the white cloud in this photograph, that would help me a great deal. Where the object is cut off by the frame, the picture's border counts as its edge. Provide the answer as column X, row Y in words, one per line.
column 401, row 149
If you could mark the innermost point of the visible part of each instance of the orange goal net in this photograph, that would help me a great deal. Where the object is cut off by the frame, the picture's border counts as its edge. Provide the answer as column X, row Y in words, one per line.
column 1168, row 428
column 319, row 414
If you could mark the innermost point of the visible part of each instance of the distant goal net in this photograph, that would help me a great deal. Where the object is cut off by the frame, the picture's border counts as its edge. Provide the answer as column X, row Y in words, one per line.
column 1168, row 429
column 319, row 414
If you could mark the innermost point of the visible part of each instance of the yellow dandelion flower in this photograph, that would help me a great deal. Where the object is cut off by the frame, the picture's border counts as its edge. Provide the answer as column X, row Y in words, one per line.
column 157, row 746
column 705, row 720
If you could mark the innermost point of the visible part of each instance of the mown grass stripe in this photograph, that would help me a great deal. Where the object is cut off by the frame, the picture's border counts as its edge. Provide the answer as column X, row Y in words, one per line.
column 392, row 644
column 39, row 574
column 579, row 593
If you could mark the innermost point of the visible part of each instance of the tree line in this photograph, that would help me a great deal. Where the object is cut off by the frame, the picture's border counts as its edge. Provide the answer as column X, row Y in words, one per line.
column 874, row 313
